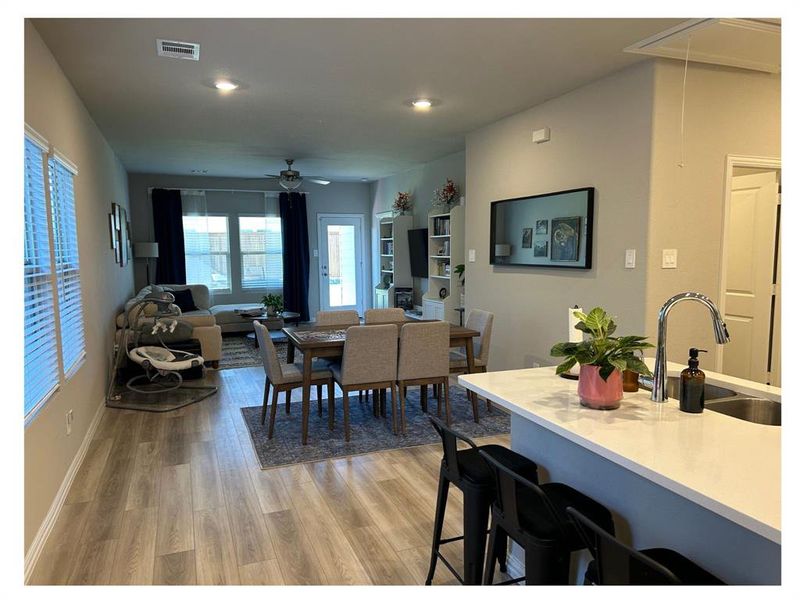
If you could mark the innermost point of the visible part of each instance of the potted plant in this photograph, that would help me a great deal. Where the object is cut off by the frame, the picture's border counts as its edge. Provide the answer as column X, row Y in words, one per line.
column 402, row 203
column 462, row 281
column 273, row 303
column 602, row 358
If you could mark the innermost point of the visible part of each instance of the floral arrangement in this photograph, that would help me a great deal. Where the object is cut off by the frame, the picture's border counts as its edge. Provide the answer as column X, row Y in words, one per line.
column 402, row 203
column 446, row 196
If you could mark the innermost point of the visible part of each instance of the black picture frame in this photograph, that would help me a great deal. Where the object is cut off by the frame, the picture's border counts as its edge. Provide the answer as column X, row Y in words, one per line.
column 585, row 238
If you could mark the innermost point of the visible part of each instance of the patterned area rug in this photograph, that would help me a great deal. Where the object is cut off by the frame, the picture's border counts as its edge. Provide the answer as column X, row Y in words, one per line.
column 367, row 433
column 239, row 352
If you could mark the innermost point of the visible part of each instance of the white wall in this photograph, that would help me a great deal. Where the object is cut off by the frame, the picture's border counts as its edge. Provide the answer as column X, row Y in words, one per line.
column 54, row 110
column 421, row 183
column 346, row 198
column 728, row 111
column 600, row 138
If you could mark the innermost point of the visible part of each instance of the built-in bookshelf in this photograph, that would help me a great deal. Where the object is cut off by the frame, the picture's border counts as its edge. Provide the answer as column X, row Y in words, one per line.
column 395, row 264
column 445, row 252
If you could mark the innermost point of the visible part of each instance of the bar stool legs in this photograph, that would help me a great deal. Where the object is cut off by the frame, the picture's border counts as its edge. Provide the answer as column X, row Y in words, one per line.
column 438, row 523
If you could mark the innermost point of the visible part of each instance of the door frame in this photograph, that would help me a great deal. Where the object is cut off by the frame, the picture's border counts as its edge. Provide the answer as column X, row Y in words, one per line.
column 362, row 281
column 731, row 161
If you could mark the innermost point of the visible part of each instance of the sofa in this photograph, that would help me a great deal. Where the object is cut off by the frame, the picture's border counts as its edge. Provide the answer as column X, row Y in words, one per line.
column 205, row 328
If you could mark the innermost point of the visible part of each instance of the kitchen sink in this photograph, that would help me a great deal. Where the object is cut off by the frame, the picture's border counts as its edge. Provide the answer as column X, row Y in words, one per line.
column 713, row 392
column 755, row 410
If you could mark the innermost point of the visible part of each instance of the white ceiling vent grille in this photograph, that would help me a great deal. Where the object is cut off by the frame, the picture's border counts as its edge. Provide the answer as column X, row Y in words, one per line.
column 182, row 50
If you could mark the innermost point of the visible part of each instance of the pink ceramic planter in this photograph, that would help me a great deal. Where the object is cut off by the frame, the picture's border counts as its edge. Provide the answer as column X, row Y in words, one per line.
column 596, row 393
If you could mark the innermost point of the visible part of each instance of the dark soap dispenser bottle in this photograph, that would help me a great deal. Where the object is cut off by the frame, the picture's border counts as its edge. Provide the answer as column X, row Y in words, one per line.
column 693, row 382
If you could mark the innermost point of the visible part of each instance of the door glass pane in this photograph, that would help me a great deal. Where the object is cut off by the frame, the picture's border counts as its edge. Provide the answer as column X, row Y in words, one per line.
column 341, row 265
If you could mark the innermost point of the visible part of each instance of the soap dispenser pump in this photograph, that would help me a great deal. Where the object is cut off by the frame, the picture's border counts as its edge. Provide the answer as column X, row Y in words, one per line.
column 693, row 383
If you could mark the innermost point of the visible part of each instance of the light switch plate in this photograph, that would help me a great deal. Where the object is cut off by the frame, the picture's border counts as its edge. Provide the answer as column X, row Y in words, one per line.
column 471, row 255
column 669, row 258
column 630, row 258
column 316, row 253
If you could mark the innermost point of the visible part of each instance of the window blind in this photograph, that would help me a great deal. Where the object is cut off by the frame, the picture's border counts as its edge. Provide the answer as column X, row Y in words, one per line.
column 261, row 247
column 67, row 266
column 41, row 353
column 207, row 251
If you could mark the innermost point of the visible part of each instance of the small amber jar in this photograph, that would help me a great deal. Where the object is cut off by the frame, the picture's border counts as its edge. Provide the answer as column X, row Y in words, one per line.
column 630, row 381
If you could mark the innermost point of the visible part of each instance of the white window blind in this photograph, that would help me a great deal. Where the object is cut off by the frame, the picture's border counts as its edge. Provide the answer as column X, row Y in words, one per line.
column 67, row 268
column 261, row 248
column 41, row 352
column 207, row 251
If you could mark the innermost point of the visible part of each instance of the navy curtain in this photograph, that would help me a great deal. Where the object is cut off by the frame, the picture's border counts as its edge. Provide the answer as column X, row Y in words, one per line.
column 295, row 253
column 168, row 228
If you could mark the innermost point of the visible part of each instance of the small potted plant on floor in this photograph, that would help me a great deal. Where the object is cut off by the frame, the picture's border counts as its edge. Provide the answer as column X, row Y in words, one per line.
column 602, row 359
column 273, row 303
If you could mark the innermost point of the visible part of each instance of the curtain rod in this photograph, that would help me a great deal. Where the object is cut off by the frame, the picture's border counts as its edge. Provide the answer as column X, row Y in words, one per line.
column 151, row 188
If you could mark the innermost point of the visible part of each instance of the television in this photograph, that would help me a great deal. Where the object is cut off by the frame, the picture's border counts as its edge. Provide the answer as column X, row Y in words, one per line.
column 546, row 230
column 418, row 251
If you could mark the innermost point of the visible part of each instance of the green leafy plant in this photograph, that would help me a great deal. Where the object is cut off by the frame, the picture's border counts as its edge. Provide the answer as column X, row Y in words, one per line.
column 602, row 349
column 459, row 270
column 274, row 301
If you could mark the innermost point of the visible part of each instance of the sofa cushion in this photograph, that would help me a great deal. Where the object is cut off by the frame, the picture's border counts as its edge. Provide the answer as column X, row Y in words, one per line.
column 226, row 313
column 200, row 293
column 184, row 300
column 198, row 318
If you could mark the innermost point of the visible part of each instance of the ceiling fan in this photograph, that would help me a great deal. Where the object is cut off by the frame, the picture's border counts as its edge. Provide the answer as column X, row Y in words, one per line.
column 289, row 179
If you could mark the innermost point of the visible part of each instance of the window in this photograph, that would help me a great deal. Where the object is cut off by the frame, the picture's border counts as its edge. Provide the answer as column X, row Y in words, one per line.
column 261, row 247
column 207, row 251
column 54, row 336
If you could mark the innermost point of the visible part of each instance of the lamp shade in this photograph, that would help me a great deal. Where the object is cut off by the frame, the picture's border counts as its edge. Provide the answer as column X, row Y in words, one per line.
column 145, row 249
column 502, row 249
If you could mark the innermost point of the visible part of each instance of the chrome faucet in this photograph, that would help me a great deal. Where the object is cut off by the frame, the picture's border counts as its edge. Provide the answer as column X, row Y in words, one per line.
column 659, row 393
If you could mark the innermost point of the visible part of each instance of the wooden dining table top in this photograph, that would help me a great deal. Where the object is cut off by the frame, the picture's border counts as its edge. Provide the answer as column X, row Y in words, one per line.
column 327, row 336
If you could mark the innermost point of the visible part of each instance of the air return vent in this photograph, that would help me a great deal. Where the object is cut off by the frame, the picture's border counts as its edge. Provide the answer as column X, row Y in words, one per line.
column 183, row 50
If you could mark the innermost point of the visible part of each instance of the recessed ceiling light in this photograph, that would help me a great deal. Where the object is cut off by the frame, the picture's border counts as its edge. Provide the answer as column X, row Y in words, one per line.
column 225, row 86
column 421, row 103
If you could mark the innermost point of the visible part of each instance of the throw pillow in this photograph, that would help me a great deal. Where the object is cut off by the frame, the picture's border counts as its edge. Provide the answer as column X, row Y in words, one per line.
column 184, row 300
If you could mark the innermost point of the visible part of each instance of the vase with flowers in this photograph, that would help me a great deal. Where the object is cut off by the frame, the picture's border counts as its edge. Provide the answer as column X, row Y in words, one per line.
column 402, row 203
column 445, row 198
column 602, row 357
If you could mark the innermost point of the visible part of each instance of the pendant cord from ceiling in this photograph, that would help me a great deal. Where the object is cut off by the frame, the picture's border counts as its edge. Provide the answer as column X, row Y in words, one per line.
column 681, row 163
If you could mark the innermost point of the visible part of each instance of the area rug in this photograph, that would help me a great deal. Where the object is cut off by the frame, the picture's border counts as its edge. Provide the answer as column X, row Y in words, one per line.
column 367, row 433
column 238, row 351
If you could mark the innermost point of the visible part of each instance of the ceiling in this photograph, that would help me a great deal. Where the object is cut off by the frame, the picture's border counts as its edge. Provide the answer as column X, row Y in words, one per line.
column 329, row 93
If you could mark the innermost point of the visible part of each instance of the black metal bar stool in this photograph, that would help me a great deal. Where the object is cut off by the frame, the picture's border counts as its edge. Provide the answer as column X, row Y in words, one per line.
column 466, row 470
column 535, row 517
column 617, row 564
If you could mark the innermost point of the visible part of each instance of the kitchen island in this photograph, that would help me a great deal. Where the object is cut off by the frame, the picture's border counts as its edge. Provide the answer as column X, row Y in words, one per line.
column 706, row 485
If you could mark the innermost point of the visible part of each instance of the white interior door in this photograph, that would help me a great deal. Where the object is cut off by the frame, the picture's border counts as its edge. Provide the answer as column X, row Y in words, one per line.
column 341, row 272
column 749, row 275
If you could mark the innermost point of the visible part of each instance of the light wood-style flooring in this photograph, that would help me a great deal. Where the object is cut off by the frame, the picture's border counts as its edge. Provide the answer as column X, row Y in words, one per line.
column 179, row 498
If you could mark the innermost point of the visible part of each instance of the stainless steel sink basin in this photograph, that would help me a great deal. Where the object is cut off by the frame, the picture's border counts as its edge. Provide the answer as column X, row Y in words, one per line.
column 755, row 410
column 713, row 392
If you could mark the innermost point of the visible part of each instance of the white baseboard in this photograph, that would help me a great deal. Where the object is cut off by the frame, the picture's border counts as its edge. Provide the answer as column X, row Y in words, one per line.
column 37, row 545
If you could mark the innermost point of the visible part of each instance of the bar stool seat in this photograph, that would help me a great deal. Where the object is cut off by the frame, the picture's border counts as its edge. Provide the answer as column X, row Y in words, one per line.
column 475, row 469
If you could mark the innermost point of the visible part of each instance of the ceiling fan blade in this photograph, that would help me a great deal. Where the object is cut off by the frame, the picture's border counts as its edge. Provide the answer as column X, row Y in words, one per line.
column 318, row 180
column 272, row 176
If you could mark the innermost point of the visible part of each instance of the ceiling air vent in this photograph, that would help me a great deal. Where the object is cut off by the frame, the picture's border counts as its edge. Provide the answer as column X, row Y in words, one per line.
column 184, row 50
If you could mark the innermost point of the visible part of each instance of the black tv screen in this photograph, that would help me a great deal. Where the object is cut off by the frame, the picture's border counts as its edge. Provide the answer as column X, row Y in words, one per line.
column 546, row 230
column 418, row 251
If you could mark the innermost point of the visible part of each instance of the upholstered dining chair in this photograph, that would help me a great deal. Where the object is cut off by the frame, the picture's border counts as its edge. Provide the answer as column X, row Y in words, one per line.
column 285, row 378
column 424, row 359
column 337, row 317
column 369, row 362
column 373, row 316
column 478, row 320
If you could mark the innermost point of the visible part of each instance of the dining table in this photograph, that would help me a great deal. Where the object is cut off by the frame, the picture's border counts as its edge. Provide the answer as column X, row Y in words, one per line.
column 327, row 341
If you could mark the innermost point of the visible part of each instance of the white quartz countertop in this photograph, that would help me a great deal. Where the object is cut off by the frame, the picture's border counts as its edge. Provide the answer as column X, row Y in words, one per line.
column 729, row 466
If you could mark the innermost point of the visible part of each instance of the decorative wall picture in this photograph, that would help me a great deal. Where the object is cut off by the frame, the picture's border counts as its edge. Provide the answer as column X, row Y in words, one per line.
column 112, row 230
column 527, row 237
column 565, row 239
column 540, row 249
column 119, row 234
column 541, row 227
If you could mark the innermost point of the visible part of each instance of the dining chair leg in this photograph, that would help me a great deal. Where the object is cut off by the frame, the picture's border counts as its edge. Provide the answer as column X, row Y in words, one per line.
column 319, row 399
column 474, row 399
column 331, row 405
column 272, row 411
column 446, row 395
column 375, row 402
column 383, row 403
column 346, row 406
column 288, row 401
column 436, row 392
column 438, row 395
column 423, row 398
column 360, row 396
column 266, row 402
column 402, row 390
column 394, row 411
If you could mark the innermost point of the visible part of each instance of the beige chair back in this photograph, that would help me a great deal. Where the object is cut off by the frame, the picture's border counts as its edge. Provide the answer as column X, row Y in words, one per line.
column 373, row 316
column 424, row 350
column 269, row 356
column 481, row 320
column 370, row 354
column 337, row 317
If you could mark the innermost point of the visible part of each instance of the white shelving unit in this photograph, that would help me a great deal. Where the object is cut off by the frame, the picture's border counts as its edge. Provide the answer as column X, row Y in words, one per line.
column 445, row 251
column 394, row 260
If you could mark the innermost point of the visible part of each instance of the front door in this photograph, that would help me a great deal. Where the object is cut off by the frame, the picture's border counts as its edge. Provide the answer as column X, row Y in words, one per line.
column 341, row 248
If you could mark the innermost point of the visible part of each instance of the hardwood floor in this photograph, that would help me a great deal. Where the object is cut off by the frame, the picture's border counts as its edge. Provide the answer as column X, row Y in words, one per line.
column 179, row 498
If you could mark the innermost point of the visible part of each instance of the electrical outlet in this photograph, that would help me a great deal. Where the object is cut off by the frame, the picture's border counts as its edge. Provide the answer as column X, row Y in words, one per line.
column 669, row 258
column 630, row 258
column 69, row 422
column 315, row 253
column 471, row 254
